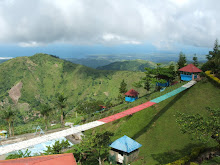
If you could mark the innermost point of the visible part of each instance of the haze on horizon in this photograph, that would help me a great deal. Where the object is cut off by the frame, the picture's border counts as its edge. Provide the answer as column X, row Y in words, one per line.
column 75, row 28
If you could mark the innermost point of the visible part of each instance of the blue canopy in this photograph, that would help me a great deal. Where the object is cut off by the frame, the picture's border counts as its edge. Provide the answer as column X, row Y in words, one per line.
column 125, row 144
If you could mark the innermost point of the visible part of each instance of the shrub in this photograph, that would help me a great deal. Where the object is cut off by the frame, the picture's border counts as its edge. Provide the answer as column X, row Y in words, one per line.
column 57, row 147
column 19, row 154
column 194, row 154
column 193, row 163
column 212, row 77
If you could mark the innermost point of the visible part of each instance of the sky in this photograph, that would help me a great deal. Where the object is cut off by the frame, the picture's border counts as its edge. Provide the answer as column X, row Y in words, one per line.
column 76, row 28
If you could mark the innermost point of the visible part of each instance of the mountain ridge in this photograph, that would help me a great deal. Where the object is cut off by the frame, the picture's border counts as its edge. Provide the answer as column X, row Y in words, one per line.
column 130, row 65
column 44, row 75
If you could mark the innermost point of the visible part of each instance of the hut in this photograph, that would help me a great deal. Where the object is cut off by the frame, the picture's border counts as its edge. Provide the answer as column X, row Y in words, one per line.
column 124, row 150
column 131, row 95
column 189, row 72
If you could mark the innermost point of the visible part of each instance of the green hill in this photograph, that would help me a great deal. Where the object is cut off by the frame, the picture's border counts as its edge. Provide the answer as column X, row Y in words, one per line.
column 3, row 60
column 131, row 65
column 91, row 62
column 44, row 75
column 156, row 128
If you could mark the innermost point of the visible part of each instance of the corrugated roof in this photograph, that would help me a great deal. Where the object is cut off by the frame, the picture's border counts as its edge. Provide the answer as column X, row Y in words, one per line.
column 125, row 144
column 190, row 68
column 132, row 92
column 67, row 159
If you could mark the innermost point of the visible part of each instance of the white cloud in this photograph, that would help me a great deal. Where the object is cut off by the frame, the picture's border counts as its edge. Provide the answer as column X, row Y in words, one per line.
column 29, row 44
column 33, row 23
column 5, row 58
column 115, row 39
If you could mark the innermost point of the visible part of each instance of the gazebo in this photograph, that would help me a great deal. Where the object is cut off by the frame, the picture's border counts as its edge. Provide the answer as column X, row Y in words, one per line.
column 189, row 72
column 131, row 95
column 124, row 150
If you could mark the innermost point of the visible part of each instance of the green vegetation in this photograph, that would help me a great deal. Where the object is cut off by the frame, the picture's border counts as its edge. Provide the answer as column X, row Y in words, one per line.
column 57, row 147
column 43, row 76
column 203, row 128
column 93, row 149
column 8, row 114
column 123, row 87
column 156, row 128
column 131, row 65
column 3, row 60
column 214, row 161
column 160, row 74
column 19, row 154
column 195, row 60
column 94, row 61
column 61, row 104
column 88, row 107
column 45, row 111
column 155, row 76
column 182, row 60
column 213, row 62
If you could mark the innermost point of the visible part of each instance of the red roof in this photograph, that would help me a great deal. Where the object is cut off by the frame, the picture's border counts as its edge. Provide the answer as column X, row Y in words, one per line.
column 101, row 106
column 67, row 159
column 132, row 92
column 190, row 68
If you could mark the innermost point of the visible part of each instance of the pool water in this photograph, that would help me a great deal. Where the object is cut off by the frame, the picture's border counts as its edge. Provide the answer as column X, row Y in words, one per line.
column 40, row 148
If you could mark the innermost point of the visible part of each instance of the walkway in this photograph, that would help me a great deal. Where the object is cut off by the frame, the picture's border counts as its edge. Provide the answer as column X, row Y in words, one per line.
column 84, row 127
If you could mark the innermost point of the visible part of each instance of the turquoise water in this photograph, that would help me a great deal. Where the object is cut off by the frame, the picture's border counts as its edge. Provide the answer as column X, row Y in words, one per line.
column 39, row 148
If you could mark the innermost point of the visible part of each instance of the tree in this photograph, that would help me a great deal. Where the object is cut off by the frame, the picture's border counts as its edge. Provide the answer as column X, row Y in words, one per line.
column 182, row 60
column 45, row 112
column 93, row 148
column 19, row 154
column 61, row 104
column 213, row 62
column 123, row 87
column 215, row 52
column 195, row 60
column 147, row 84
column 57, row 147
column 88, row 107
column 147, row 80
column 158, row 75
column 202, row 128
column 9, row 114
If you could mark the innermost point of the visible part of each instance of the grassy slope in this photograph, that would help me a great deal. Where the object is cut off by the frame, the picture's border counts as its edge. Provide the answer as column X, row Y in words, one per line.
column 43, row 76
column 155, row 127
column 132, row 65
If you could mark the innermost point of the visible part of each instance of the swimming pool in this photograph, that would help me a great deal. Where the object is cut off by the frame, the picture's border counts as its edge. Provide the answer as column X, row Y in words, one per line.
column 40, row 148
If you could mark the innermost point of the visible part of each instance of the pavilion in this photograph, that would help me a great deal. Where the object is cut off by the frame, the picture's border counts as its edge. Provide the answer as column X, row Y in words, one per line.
column 124, row 149
column 189, row 72
column 131, row 95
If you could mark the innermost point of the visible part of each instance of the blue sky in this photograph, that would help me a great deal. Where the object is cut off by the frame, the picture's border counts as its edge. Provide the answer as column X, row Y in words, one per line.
column 76, row 28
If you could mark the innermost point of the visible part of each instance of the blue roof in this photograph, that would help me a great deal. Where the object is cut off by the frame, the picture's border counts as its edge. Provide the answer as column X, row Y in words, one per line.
column 125, row 144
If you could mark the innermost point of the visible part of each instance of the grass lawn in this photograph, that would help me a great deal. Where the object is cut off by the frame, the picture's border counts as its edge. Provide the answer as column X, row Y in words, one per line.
column 214, row 161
